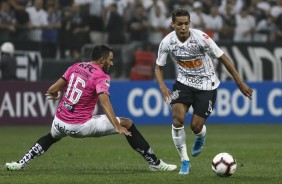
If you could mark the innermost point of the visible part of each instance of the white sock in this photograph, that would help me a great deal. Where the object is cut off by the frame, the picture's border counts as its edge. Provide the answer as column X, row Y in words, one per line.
column 179, row 139
column 203, row 132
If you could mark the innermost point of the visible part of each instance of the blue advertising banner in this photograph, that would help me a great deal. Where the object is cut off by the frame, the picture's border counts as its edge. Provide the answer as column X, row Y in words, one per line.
column 23, row 103
column 142, row 101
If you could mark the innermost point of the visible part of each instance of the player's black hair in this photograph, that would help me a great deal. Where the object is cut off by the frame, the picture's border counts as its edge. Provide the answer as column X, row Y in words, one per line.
column 100, row 51
column 178, row 13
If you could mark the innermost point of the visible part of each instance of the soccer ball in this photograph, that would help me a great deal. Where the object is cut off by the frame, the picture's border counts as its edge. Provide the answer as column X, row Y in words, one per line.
column 224, row 164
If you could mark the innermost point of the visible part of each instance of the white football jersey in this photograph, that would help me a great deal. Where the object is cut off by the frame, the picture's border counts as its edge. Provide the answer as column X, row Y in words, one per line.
column 194, row 59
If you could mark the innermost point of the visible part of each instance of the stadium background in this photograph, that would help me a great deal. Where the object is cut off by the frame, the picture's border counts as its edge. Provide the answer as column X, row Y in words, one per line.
column 249, row 129
column 248, row 31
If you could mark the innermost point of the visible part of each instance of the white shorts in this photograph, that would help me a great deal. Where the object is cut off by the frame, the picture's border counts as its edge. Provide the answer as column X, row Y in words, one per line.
column 97, row 126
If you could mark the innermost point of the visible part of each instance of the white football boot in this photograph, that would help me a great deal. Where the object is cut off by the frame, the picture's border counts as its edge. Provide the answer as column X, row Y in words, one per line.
column 13, row 166
column 162, row 167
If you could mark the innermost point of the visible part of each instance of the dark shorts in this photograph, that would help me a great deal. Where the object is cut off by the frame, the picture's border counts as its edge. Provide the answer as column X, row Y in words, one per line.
column 202, row 101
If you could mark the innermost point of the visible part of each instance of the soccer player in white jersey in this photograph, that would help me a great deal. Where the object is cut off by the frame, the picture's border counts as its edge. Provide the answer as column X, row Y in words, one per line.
column 85, row 83
column 196, row 83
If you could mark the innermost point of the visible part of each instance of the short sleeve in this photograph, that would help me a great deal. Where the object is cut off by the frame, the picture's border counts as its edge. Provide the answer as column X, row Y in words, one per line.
column 103, row 85
column 162, row 53
column 216, row 51
column 67, row 73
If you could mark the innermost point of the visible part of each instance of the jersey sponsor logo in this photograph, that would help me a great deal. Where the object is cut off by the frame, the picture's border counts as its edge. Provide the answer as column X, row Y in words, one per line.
column 87, row 66
column 193, row 81
column 68, row 106
column 191, row 64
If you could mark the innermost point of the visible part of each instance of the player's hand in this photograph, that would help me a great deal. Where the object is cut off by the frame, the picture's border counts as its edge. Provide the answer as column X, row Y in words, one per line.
column 166, row 95
column 52, row 97
column 246, row 90
column 123, row 130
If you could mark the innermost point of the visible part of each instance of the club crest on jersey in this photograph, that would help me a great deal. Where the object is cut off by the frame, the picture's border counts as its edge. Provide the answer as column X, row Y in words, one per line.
column 107, row 82
column 193, row 49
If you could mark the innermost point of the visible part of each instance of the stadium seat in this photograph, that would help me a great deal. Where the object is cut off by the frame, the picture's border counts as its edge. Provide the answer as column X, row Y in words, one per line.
column 143, row 68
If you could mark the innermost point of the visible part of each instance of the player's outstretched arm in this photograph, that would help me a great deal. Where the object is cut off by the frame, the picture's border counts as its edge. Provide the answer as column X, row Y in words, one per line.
column 244, row 88
column 54, row 92
column 109, row 111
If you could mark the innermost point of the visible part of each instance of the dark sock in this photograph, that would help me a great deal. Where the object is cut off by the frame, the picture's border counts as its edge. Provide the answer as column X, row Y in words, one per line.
column 41, row 146
column 139, row 144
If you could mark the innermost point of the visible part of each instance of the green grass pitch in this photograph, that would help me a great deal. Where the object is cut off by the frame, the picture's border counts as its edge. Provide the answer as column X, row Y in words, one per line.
column 257, row 149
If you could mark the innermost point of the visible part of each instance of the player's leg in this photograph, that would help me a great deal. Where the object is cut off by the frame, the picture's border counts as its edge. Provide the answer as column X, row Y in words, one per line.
column 203, row 106
column 101, row 126
column 180, row 107
column 39, row 148
column 179, row 136
column 139, row 144
column 199, row 129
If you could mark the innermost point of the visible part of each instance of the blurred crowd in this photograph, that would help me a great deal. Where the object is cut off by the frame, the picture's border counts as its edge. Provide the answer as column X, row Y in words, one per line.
column 60, row 28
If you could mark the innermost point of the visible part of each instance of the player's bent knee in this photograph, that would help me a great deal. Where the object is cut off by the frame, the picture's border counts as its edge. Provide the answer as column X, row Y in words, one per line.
column 196, row 127
column 197, row 123
column 178, row 121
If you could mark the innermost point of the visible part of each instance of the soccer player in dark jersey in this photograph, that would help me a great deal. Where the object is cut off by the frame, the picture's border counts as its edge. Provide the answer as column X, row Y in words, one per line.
column 85, row 83
column 196, row 83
